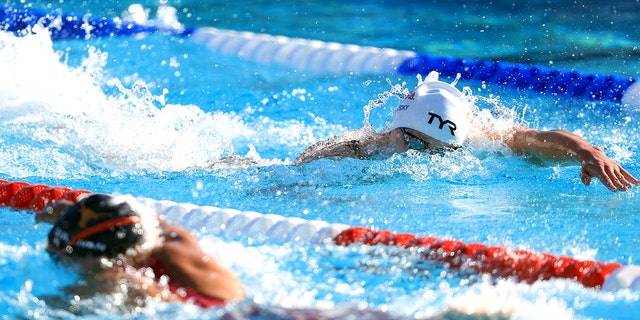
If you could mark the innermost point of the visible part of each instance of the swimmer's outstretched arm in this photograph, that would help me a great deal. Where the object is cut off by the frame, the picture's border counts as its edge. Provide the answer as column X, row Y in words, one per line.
column 386, row 143
column 562, row 145
column 51, row 212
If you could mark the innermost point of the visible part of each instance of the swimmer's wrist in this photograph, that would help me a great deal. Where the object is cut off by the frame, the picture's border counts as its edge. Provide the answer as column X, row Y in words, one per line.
column 586, row 153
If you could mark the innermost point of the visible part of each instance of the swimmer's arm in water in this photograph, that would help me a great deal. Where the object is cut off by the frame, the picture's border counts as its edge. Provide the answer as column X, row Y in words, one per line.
column 51, row 212
column 138, row 285
column 560, row 145
column 384, row 144
column 189, row 265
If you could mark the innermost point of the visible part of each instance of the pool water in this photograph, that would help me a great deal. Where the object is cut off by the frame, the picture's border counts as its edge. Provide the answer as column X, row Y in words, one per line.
column 162, row 117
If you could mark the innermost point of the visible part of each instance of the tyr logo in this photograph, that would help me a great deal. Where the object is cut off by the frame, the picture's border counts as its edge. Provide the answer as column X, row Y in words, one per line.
column 452, row 126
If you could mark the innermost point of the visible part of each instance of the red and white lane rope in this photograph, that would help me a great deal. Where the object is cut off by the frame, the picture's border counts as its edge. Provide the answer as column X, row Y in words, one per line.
column 522, row 265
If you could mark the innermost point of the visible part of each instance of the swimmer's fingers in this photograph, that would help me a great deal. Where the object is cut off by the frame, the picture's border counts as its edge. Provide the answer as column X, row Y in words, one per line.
column 629, row 178
column 621, row 179
column 614, row 177
column 616, row 181
column 585, row 177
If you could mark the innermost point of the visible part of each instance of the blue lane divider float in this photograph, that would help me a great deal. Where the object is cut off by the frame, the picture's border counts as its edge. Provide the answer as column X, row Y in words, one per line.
column 67, row 26
column 589, row 86
column 313, row 55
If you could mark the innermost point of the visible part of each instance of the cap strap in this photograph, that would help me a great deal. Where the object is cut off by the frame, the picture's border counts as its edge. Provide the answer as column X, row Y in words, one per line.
column 100, row 227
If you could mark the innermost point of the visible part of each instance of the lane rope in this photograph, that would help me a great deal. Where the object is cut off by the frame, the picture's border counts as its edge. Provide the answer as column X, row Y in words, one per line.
column 330, row 57
column 521, row 265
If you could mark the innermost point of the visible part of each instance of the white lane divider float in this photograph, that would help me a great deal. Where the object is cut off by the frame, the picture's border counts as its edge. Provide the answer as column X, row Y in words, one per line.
column 521, row 265
column 329, row 57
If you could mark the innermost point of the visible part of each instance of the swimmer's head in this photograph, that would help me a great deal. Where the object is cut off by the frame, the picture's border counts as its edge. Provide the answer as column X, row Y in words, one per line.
column 97, row 225
column 436, row 109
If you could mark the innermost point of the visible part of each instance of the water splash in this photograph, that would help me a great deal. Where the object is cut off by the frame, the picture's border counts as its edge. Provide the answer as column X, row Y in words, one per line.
column 397, row 90
column 489, row 115
column 83, row 112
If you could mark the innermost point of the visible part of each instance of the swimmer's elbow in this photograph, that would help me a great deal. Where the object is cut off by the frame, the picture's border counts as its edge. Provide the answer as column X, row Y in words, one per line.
column 305, row 157
column 238, row 294
column 346, row 149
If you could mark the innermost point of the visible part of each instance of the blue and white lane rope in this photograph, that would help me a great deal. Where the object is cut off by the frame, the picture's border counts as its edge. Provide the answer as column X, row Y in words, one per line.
column 336, row 58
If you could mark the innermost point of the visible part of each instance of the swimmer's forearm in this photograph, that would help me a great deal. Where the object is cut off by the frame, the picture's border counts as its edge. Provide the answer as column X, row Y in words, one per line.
column 384, row 144
column 51, row 213
column 563, row 145
column 556, row 145
column 337, row 150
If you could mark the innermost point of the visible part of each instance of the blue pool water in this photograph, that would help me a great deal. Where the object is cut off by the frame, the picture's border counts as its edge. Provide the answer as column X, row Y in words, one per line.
column 165, row 118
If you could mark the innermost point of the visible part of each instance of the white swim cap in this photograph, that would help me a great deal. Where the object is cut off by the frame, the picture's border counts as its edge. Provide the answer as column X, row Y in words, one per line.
column 436, row 109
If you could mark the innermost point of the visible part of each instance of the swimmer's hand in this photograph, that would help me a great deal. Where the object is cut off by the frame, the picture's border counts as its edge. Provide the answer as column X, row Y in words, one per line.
column 52, row 212
column 596, row 164
column 560, row 145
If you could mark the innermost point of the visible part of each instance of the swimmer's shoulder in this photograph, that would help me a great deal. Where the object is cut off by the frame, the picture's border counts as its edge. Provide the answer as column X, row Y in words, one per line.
column 173, row 233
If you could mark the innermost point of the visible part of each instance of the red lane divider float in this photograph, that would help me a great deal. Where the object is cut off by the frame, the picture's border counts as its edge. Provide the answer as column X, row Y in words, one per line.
column 25, row 196
column 522, row 265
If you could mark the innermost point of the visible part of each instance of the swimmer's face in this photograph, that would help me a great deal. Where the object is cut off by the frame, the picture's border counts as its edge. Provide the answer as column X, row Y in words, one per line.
column 92, row 264
column 429, row 142
column 82, row 265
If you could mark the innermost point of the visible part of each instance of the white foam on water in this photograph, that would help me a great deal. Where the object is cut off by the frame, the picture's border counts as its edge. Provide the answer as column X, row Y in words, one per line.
column 82, row 118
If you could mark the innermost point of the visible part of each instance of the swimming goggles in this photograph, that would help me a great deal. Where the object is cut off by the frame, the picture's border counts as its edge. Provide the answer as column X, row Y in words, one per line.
column 413, row 141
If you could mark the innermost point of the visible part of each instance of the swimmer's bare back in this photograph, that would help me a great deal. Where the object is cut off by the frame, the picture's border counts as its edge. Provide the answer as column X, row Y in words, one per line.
column 188, row 264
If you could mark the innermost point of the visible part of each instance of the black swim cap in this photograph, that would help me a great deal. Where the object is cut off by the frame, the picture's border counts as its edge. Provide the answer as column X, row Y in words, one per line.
column 97, row 225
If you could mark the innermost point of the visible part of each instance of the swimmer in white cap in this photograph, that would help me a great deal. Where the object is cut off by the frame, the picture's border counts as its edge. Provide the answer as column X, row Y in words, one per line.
column 436, row 116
